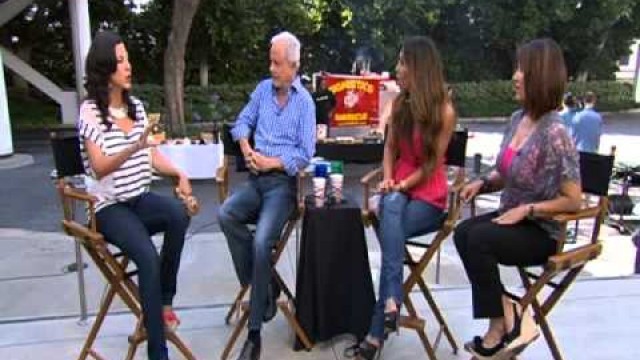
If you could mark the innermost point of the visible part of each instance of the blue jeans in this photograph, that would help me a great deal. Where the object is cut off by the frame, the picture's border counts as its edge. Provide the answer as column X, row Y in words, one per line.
column 266, row 200
column 400, row 218
column 129, row 226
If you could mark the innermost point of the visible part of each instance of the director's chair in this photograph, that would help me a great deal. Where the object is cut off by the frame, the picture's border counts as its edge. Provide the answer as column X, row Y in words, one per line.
column 112, row 265
column 239, row 306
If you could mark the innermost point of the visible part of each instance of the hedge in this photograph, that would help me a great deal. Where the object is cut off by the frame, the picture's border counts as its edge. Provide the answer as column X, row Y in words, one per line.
column 224, row 102
column 213, row 103
column 495, row 98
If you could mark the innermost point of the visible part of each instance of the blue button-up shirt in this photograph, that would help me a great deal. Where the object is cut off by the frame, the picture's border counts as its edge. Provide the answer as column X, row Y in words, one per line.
column 287, row 132
column 587, row 128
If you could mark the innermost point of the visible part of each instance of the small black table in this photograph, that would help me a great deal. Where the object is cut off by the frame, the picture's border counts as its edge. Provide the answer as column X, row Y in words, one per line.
column 334, row 290
column 354, row 153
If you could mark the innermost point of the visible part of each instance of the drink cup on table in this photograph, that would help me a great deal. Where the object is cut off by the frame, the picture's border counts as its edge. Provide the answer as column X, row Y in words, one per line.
column 319, row 187
column 336, row 186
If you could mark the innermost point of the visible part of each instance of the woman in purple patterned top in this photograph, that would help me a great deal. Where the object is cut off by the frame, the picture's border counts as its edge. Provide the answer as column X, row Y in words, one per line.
column 537, row 170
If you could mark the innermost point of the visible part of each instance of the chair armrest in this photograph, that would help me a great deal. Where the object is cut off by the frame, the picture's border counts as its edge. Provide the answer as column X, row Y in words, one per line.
column 370, row 176
column 76, row 194
column 591, row 212
column 366, row 181
column 76, row 230
column 574, row 258
column 300, row 177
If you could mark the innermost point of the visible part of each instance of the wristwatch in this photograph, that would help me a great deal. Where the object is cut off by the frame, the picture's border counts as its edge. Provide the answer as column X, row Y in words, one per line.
column 531, row 213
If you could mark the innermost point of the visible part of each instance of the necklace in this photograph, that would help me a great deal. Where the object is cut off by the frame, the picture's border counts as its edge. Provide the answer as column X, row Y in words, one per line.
column 118, row 112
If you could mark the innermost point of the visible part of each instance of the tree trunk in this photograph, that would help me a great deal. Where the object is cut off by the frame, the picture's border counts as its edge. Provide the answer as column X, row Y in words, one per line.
column 174, row 63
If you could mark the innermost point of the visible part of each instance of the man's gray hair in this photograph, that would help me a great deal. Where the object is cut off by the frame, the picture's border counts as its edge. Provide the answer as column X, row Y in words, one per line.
column 293, row 46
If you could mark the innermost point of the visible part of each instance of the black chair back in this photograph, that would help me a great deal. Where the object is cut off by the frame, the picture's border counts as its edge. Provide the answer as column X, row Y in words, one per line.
column 595, row 172
column 457, row 149
column 66, row 153
column 231, row 148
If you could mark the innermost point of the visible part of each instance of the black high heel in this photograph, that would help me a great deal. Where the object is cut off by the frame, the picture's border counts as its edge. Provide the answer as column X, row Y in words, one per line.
column 391, row 323
column 363, row 350
column 478, row 350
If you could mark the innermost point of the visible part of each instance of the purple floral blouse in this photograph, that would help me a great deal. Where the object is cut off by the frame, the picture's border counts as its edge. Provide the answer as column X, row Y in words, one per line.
column 543, row 163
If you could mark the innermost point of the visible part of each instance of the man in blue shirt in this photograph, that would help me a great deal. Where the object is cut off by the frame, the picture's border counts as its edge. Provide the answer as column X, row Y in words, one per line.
column 587, row 126
column 280, row 115
column 569, row 111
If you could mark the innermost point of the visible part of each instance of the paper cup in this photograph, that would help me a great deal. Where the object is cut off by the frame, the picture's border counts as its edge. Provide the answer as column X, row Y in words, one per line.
column 336, row 186
column 319, row 186
column 321, row 131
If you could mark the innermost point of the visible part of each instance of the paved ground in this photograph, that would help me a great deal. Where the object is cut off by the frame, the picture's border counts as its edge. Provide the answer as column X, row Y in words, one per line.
column 39, row 306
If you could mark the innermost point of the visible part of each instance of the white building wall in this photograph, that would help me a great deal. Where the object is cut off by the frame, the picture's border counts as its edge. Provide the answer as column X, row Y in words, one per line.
column 627, row 71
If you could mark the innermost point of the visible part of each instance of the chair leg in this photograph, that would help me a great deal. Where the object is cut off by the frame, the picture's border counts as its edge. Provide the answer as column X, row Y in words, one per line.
column 235, row 306
column 420, row 330
column 138, row 336
column 180, row 345
column 284, row 307
column 236, row 332
column 87, row 349
column 444, row 327
column 541, row 319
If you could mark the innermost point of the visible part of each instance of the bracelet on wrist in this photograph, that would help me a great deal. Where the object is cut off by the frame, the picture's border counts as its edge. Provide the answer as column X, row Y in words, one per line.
column 486, row 183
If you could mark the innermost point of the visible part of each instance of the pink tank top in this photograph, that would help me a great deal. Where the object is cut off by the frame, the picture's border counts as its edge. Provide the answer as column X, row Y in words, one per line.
column 432, row 189
column 507, row 159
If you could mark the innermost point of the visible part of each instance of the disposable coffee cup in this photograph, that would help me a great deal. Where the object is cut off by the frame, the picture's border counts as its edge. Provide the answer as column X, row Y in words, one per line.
column 319, row 187
column 321, row 131
column 336, row 186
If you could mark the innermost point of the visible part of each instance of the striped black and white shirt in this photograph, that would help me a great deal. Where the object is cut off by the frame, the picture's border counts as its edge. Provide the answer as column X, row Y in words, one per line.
column 133, row 177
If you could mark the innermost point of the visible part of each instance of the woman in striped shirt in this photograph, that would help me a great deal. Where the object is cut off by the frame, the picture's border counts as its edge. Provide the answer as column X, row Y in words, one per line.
column 118, row 161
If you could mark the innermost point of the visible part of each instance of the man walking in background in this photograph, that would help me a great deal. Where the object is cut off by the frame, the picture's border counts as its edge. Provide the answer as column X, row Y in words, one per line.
column 587, row 126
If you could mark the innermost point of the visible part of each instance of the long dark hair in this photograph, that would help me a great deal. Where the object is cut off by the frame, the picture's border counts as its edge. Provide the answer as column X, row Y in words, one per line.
column 421, row 104
column 101, row 63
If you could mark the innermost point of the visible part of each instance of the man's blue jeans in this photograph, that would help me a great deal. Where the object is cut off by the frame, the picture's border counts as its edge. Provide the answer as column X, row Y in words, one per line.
column 400, row 218
column 266, row 200
column 129, row 225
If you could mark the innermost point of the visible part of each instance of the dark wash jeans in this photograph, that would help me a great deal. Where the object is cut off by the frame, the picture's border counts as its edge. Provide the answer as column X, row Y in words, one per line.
column 266, row 200
column 400, row 218
column 129, row 226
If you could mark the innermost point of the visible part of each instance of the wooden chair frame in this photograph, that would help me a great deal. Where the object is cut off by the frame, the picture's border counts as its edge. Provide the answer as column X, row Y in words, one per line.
column 113, row 266
column 455, row 158
column 240, row 307
column 562, row 269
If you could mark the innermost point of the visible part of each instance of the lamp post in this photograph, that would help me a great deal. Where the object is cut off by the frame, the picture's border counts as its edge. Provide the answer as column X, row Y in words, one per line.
column 637, row 72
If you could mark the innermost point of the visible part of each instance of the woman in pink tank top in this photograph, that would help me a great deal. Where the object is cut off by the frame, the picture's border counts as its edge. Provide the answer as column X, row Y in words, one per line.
column 414, row 186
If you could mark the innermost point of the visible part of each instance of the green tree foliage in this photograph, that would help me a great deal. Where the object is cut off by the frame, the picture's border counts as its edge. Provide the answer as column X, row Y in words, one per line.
column 477, row 38
column 41, row 34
